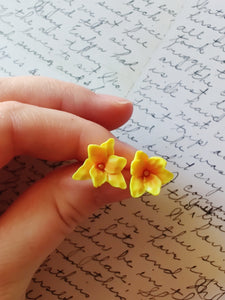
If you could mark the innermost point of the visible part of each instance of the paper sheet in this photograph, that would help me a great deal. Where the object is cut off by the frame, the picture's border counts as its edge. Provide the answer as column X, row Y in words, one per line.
column 171, row 246
column 102, row 45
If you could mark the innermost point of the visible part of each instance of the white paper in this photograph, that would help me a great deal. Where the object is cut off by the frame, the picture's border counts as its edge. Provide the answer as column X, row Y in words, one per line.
column 170, row 246
column 102, row 45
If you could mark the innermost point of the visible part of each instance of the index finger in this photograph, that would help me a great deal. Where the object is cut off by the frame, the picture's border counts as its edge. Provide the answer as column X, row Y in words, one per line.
column 49, row 134
column 106, row 110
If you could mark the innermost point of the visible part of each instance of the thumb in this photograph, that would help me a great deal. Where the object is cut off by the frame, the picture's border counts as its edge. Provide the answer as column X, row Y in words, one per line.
column 40, row 219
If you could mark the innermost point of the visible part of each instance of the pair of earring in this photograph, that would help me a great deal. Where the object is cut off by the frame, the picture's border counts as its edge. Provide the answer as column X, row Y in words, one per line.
column 148, row 174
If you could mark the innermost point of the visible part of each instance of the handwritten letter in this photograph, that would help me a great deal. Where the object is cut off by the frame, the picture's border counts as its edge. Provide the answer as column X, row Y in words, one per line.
column 165, row 247
column 179, row 114
column 78, row 41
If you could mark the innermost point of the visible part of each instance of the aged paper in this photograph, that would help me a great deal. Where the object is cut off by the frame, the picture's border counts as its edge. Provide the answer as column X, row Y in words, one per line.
column 170, row 246
column 102, row 45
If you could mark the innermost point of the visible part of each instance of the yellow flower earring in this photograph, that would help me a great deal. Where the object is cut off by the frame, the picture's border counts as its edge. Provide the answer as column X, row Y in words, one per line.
column 148, row 174
column 102, row 166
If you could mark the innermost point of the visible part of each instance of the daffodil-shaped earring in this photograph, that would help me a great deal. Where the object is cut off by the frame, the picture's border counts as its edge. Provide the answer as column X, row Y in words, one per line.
column 102, row 166
column 148, row 174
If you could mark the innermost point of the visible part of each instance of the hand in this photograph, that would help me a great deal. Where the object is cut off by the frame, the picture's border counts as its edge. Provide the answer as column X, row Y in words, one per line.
column 52, row 120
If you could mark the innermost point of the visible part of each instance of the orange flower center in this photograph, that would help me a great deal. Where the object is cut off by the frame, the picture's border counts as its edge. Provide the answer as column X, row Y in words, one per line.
column 146, row 173
column 101, row 166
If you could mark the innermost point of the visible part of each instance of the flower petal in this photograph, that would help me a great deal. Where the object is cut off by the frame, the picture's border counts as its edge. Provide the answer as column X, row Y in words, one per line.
column 137, row 187
column 140, row 155
column 83, row 172
column 165, row 176
column 139, row 164
column 109, row 146
column 117, row 180
column 137, row 168
column 156, row 163
column 115, row 164
column 97, row 154
column 152, row 184
column 98, row 176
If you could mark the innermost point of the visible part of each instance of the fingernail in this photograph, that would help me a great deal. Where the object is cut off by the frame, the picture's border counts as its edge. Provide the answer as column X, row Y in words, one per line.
column 115, row 99
column 122, row 100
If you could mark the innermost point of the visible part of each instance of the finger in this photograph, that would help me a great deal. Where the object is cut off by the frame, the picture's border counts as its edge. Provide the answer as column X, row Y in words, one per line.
column 109, row 111
column 49, row 134
column 43, row 216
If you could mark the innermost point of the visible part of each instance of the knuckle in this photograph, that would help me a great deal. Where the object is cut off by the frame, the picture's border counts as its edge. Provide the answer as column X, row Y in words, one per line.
column 9, row 105
column 7, row 131
column 6, row 84
column 8, row 109
column 75, row 91
column 68, row 214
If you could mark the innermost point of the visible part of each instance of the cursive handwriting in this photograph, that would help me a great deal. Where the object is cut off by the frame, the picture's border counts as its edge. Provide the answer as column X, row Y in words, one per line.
column 166, row 247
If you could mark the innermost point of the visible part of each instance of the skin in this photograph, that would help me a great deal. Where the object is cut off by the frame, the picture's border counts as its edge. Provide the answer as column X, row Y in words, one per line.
column 35, row 224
